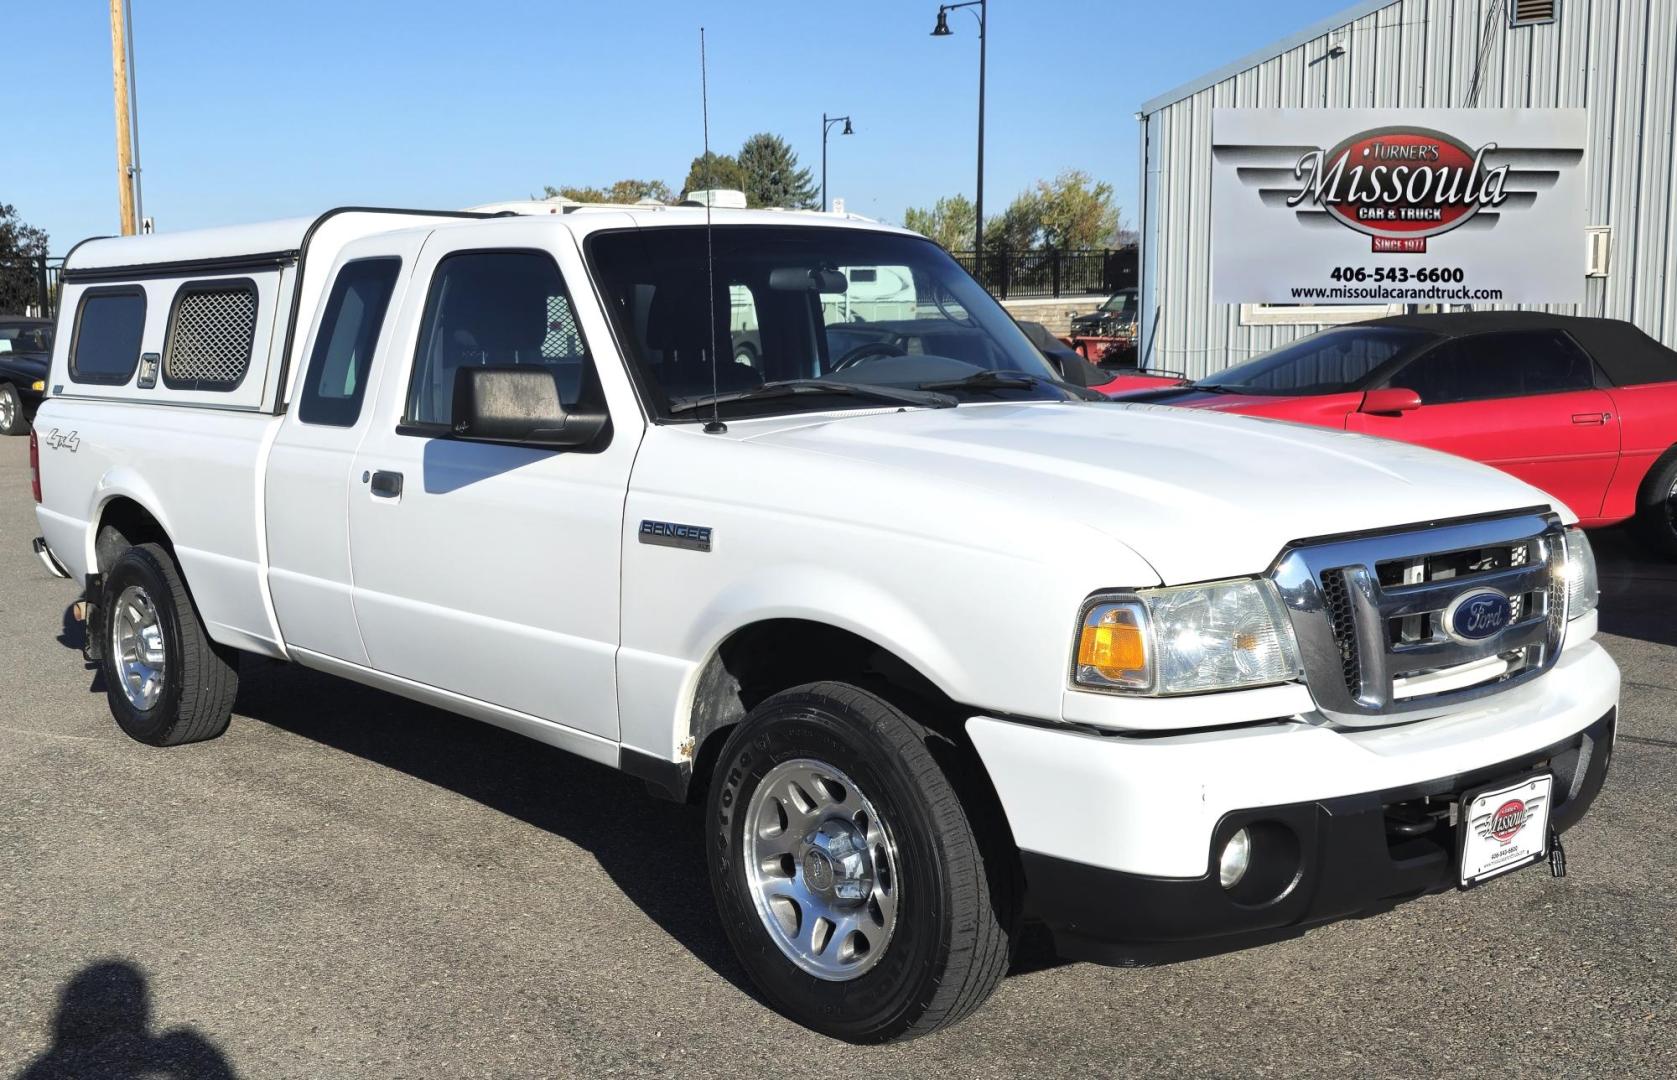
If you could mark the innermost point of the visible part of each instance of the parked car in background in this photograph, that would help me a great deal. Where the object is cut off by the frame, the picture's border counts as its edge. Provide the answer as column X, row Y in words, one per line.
column 25, row 353
column 1585, row 409
column 1107, row 335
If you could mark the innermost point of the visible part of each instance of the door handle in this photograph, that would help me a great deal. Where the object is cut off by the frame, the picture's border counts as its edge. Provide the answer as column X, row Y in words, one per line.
column 1591, row 417
column 387, row 485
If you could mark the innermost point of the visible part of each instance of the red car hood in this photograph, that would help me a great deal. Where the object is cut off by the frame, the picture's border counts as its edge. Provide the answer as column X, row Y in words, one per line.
column 1325, row 410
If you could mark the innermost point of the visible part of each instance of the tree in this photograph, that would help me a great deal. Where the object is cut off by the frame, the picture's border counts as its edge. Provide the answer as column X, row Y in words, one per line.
column 772, row 176
column 21, row 245
column 1019, row 227
column 949, row 222
column 712, row 171
column 1077, row 212
column 623, row 191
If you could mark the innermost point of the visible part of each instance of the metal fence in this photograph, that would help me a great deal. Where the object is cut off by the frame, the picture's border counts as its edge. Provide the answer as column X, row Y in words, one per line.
column 1052, row 273
column 29, row 285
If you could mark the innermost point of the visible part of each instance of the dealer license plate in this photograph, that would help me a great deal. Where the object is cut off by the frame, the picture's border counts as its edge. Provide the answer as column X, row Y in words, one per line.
column 1504, row 828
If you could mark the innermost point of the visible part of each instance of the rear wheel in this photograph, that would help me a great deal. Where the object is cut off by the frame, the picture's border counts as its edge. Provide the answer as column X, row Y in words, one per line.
column 12, row 418
column 850, row 878
column 166, row 681
column 1656, row 507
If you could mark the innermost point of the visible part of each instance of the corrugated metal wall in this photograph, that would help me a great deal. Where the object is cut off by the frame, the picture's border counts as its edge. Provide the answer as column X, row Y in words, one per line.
column 1617, row 58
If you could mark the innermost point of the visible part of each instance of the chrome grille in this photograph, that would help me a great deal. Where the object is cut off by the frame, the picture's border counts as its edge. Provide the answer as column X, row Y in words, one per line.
column 1369, row 613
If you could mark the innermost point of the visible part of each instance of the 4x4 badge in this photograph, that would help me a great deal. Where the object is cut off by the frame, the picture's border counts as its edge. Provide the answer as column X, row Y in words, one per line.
column 57, row 441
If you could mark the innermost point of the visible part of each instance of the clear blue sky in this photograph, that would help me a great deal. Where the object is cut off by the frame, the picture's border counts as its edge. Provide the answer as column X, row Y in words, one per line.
column 260, row 110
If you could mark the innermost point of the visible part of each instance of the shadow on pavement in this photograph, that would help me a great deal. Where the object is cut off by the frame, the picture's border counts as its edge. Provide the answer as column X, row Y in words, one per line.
column 103, row 1029
column 1638, row 588
column 650, row 848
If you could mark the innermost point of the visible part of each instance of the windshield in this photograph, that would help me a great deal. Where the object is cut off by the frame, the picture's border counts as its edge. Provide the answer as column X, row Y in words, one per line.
column 812, row 309
column 1330, row 362
column 1122, row 303
column 25, row 338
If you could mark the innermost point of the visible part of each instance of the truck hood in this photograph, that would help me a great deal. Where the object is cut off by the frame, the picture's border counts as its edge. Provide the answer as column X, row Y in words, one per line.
column 1198, row 494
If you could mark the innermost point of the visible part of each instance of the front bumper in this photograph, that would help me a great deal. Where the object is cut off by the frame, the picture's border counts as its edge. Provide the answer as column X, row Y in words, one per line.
column 1117, row 833
column 1355, row 855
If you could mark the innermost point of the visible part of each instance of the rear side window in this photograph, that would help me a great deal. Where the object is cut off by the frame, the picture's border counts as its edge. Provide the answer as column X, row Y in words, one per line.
column 105, row 348
column 490, row 309
column 1490, row 366
column 344, row 346
column 212, row 334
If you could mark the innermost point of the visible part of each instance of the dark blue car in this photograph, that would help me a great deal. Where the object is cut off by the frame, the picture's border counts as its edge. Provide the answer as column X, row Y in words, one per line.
column 25, row 352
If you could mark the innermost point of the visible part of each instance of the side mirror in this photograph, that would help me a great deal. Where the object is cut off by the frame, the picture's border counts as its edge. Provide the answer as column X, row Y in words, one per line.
column 1390, row 401
column 520, row 405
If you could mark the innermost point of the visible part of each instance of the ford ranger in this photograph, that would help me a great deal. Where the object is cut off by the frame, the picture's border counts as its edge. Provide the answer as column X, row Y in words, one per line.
column 939, row 643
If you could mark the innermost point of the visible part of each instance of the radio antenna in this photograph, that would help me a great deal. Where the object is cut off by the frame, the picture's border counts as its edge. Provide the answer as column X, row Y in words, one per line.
column 716, row 426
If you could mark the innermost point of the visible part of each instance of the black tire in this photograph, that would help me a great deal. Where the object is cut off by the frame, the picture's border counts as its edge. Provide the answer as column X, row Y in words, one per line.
column 957, row 910
column 1656, row 509
column 200, row 677
column 13, row 420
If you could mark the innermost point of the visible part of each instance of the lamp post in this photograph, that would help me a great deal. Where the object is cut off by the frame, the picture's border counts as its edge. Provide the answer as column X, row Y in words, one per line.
column 827, row 123
column 942, row 30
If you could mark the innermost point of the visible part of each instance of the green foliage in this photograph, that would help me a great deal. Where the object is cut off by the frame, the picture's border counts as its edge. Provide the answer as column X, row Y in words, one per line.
column 1077, row 211
column 772, row 176
column 713, row 171
column 20, row 244
column 1071, row 211
column 950, row 222
column 623, row 191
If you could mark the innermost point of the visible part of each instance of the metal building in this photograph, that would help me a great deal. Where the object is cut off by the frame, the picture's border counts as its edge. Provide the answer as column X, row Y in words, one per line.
column 1615, row 58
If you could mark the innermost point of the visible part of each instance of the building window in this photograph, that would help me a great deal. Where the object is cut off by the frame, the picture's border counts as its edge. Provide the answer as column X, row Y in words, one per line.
column 1532, row 12
column 212, row 335
column 1313, row 315
column 106, row 346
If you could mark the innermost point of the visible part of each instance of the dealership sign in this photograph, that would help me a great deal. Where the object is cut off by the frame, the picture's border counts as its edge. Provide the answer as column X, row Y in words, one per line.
column 1384, row 206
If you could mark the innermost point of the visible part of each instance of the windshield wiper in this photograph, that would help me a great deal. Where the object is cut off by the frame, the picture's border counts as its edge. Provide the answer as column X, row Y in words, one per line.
column 891, row 395
column 1214, row 388
column 993, row 379
column 988, row 380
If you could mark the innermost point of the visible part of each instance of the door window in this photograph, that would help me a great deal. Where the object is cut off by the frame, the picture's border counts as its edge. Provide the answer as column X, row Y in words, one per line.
column 494, row 309
column 344, row 346
column 1498, row 366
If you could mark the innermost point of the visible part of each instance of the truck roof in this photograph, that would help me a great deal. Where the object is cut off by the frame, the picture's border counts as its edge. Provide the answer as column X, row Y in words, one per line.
column 288, row 236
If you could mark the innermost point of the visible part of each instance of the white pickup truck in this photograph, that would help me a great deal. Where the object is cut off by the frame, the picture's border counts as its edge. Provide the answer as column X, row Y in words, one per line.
column 939, row 643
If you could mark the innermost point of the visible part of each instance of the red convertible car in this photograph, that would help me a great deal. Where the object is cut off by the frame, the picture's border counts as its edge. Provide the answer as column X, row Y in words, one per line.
column 1585, row 409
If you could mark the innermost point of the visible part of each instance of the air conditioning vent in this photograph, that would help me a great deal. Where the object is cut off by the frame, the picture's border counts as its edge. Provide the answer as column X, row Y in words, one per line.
column 1532, row 12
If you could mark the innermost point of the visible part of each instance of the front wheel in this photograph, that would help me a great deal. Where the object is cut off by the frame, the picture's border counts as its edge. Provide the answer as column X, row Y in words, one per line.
column 850, row 879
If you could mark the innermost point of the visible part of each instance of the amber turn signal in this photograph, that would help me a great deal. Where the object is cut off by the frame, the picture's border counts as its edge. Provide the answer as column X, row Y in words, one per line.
column 1112, row 648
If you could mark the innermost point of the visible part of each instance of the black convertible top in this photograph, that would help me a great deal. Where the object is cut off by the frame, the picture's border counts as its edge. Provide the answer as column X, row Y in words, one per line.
column 1626, row 355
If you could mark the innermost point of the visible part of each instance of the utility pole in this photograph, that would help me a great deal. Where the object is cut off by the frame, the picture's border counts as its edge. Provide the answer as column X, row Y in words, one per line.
column 124, row 124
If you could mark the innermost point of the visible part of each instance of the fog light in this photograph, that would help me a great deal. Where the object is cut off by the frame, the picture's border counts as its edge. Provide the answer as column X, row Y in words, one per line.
column 1237, row 856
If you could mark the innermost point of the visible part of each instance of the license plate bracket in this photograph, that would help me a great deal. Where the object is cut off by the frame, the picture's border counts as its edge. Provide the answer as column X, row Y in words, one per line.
column 1503, row 827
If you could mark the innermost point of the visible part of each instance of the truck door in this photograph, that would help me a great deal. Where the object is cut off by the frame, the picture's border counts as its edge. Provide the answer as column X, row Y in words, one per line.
column 309, row 476
column 1525, row 401
column 491, row 570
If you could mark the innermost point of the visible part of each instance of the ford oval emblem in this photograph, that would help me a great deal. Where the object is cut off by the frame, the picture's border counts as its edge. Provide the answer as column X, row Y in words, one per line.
column 1478, row 615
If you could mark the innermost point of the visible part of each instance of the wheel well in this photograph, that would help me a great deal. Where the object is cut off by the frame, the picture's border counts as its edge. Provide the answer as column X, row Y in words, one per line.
column 764, row 658
column 136, row 526
column 1643, row 485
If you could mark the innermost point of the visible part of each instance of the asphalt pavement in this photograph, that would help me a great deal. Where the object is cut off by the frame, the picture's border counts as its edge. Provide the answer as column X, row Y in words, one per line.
column 350, row 885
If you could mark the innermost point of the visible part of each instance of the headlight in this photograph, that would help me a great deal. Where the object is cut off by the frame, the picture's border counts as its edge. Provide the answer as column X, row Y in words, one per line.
column 1191, row 639
column 1583, row 590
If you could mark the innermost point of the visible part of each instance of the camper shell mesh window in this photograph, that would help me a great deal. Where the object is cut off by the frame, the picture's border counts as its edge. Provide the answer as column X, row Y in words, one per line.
column 212, row 335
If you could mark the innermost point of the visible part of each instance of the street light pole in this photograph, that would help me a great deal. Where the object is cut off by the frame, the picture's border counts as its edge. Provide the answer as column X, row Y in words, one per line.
column 942, row 30
column 827, row 123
